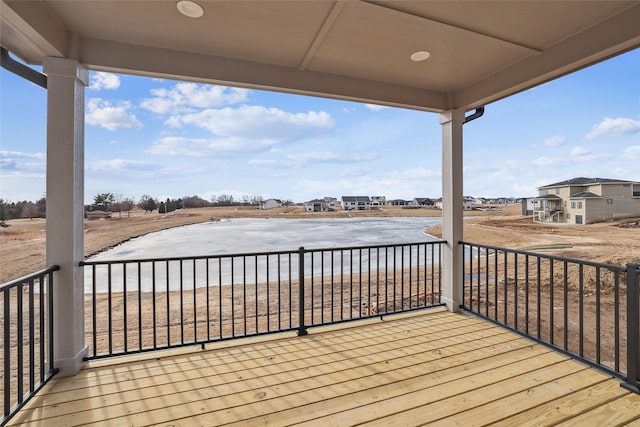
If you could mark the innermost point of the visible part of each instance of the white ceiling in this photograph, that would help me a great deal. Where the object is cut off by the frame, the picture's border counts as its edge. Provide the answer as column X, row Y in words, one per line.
column 481, row 51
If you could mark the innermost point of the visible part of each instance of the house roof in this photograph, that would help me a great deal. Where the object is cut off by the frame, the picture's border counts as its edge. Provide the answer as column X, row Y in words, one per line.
column 316, row 201
column 549, row 197
column 586, row 181
column 356, row 199
column 478, row 51
column 584, row 195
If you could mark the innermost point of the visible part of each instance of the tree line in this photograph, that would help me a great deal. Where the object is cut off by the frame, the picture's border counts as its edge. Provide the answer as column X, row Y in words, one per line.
column 111, row 202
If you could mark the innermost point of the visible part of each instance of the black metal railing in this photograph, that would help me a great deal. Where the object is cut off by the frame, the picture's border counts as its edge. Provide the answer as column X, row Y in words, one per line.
column 140, row 305
column 585, row 309
column 27, row 330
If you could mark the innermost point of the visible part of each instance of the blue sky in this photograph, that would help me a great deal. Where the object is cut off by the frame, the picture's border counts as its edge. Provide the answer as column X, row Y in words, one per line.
column 172, row 139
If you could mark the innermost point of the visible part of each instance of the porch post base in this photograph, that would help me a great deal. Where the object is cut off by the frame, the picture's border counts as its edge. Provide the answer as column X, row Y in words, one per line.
column 452, row 305
column 71, row 366
column 632, row 388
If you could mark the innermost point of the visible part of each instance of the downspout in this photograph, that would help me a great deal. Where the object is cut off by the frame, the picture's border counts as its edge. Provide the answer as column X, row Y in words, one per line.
column 10, row 64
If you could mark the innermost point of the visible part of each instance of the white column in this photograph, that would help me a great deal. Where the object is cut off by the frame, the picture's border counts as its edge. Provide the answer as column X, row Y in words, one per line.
column 66, row 80
column 452, row 209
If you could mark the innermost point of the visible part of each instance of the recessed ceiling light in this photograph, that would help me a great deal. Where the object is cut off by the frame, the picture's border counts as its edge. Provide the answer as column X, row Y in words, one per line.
column 420, row 55
column 190, row 9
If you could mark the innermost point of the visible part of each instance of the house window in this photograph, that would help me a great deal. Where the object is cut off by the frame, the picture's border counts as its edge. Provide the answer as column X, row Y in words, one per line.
column 573, row 205
column 557, row 191
column 568, row 216
column 579, row 205
column 609, row 201
column 543, row 192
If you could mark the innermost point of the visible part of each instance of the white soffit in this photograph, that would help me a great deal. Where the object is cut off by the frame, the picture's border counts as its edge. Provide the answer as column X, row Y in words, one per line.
column 480, row 51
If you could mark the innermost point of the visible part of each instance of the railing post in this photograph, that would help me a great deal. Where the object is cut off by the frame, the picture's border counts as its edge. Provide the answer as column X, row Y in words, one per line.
column 302, row 329
column 633, row 329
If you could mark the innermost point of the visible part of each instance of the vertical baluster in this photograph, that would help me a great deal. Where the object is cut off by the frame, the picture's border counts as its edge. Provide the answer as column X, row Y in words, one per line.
column 7, row 352
column 551, row 298
column 124, row 304
column 526, row 294
column 140, row 341
column 110, row 310
column 581, row 308
column 93, row 309
column 181, row 302
column 565, row 303
column 598, row 308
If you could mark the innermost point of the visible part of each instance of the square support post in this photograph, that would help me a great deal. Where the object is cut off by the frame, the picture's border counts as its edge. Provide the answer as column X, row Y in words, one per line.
column 67, row 80
column 452, row 208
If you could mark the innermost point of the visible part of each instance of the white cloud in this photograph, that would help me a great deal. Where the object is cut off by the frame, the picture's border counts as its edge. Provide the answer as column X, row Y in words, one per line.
column 101, row 80
column 554, row 141
column 579, row 151
column 545, row 161
column 111, row 116
column 19, row 154
column 299, row 160
column 203, row 147
column 331, row 157
column 185, row 97
column 244, row 130
column 632, row 152
column 115, row 165
column 618, row 126
column 260, row 122
column 375, row 107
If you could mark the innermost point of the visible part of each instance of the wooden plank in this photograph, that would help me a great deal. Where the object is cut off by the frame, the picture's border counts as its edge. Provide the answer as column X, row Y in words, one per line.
column 351, row 402
column 459, row 396
column 567, row 407
column 254, row 379
column 523, row 400
column 617, row 412
column 340, row 341
column 292, row 359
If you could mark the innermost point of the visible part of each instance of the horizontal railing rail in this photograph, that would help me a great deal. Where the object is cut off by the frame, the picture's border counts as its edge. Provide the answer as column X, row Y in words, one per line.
column 586, row 309
column 27, row 330
column 141, row 305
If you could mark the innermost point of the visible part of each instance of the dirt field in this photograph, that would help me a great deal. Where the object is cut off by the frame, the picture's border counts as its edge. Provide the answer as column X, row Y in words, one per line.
column 22, row 244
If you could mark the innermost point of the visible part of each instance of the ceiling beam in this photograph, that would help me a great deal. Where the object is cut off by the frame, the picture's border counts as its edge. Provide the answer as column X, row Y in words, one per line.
column 609, row 38
column 166, row 63
column 326, row 27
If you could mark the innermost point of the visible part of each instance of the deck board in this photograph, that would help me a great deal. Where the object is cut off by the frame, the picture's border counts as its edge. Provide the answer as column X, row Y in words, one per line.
column 433, row 367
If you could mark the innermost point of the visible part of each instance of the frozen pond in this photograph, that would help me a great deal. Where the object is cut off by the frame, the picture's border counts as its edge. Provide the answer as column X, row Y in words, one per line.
column 251, row 235
column 243, row 235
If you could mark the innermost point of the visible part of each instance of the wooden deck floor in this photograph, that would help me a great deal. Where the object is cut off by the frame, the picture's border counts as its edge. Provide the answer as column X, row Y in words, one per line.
column 436, row 367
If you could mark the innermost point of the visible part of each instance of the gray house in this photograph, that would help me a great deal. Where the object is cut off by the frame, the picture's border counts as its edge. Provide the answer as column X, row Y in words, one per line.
column 356, row 203
column 316, row 205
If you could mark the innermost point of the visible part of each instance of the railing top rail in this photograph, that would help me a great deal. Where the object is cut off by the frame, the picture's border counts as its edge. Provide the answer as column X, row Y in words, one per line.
column 251, row 254
column 550, row 257
column 16, row 282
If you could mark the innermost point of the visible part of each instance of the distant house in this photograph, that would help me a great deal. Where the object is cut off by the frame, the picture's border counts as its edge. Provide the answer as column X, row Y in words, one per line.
column 378, row 200
column 586, row 200
column 467, row 203
column 97, row 214
column 359, row 203
column 332, row 202
column 316, row 206
column 422, row 201
column 398, row 202
column 270, row 203
column 528, row 205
